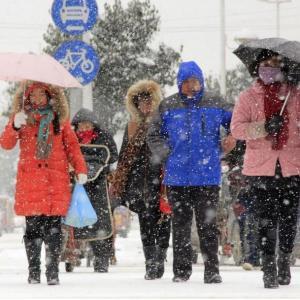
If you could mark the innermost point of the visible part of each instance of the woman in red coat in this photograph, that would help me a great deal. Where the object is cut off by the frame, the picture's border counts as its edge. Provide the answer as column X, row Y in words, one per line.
column 39, row 122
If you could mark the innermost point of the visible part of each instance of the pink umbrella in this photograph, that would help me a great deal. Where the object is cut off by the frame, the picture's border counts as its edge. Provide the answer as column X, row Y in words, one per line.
column 36, row 67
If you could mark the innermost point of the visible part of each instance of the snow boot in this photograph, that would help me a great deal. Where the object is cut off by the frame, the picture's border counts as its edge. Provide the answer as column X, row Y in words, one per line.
column 53, row 249
column 270, row 272
column 211, row 269
column 180, row 279
column 161, row 255
column 151, row 264
column 33, row 251
column 284, row 272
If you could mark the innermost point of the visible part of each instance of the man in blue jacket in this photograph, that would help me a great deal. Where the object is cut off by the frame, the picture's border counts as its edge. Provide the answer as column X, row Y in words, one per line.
column 185, row 135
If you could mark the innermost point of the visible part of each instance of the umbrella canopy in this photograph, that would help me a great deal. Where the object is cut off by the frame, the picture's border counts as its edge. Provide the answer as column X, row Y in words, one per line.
column 252, row 52
column 36, row 67
column 290, row 51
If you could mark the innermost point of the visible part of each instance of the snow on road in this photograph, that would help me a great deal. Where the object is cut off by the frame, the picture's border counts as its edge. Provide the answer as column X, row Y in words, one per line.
column 125, row 280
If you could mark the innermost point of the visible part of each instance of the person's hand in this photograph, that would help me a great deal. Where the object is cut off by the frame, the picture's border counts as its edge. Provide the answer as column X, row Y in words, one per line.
column 228, row 143
column 81, row 178
column 238, row 209
column 20, row 119
column 274, row 125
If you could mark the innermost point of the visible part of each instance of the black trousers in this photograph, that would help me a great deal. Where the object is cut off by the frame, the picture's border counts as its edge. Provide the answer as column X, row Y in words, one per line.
column 102, row 248
column 45, row 229
column 276, row 201
column 152, row 233
column 204, row 201
column 42, row 227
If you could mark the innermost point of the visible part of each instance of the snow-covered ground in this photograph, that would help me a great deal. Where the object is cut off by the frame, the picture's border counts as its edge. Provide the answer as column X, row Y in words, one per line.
column 125, row 280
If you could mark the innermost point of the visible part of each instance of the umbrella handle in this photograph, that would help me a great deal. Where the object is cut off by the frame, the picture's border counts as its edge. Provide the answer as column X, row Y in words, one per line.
column 285, row 102
column 23, row 98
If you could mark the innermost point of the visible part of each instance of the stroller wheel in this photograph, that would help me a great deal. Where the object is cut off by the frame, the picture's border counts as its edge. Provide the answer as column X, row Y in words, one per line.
column 69, row 267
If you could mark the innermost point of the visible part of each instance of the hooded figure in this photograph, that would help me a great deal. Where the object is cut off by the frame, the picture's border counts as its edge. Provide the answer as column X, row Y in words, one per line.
column 39, row 122
column 185, row 135
column 137, row 179
column 99, row 149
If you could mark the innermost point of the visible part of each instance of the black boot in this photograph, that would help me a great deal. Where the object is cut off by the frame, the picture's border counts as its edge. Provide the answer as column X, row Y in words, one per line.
column 284, row 272
column 270, row 272
column 33, row 250
column 211, row 269
column 53, row 249
column 161, row 255
column 151, row 265
column 101, row 264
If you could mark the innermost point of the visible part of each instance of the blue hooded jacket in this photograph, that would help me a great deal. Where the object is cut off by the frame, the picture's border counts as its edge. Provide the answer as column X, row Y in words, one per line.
column 185, row 134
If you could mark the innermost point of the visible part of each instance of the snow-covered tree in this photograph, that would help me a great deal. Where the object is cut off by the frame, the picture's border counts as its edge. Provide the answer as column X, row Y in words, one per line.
column 237, row 80
column 123, row 38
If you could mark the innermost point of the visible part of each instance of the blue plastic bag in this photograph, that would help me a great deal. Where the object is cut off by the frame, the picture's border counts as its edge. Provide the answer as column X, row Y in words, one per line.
column 81, row 212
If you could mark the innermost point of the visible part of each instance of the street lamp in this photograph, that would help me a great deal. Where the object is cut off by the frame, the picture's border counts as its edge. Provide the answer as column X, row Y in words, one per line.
column 223, row 48
column 277, row 2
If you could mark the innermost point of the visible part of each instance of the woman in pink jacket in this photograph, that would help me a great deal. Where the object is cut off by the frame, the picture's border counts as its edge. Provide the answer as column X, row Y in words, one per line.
column 272, row 161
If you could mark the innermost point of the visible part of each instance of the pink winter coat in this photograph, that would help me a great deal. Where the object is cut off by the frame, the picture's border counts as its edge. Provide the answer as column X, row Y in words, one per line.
column 248, row 124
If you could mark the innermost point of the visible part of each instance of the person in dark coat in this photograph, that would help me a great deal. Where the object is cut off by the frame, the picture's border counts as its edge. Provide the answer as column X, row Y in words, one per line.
column 243, row 207
column 137, row 180
column 99, row 149
column 185, row 133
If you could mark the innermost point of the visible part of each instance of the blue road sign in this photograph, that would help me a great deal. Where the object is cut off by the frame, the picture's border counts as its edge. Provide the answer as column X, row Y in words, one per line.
column 80, row 59
column 74, row 16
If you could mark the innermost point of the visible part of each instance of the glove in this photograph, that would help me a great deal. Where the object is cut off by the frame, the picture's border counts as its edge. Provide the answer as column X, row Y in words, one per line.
column 274, row 125
column 20, row 119
column 81, row 178
column 238, row 209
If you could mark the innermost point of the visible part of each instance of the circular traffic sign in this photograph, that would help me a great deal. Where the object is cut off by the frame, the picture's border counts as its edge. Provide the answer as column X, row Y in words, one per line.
column 74, row 16
column 80, row 59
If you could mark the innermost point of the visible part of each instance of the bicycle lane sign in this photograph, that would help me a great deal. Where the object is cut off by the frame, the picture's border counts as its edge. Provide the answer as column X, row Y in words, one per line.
column 74, row 16
column 80, row 59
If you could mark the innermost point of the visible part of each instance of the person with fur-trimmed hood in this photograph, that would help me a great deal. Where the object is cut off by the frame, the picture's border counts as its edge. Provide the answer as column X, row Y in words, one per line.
column 137, row 180
column 39, row 122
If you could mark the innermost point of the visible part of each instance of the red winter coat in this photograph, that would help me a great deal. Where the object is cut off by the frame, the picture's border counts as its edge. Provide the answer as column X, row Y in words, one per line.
column 43, row 186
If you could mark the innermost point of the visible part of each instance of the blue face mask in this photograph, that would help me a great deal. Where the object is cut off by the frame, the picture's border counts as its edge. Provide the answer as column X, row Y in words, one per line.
column 270, row 75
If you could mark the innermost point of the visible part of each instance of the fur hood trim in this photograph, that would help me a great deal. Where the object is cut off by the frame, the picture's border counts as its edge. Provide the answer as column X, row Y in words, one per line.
column 58, row 100
column 149, row 86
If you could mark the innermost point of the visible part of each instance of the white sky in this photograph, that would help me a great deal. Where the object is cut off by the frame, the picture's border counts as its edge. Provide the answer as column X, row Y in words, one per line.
column 191, row 23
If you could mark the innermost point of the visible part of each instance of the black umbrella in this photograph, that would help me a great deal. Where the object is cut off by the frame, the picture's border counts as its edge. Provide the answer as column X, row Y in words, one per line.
column 255, row 51
column 290, row 51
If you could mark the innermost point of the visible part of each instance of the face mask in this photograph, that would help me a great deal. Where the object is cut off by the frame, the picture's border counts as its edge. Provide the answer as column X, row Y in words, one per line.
column 85, row 137
column 270, row 75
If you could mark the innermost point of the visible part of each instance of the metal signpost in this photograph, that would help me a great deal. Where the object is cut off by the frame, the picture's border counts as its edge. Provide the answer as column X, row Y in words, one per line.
column 75, row 17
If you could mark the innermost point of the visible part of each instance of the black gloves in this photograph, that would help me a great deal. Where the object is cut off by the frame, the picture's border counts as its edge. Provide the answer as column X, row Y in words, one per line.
column 274, row 125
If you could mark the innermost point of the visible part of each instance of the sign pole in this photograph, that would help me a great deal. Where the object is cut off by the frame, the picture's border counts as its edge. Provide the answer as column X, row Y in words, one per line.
column 87, row 92
column 77, row 56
